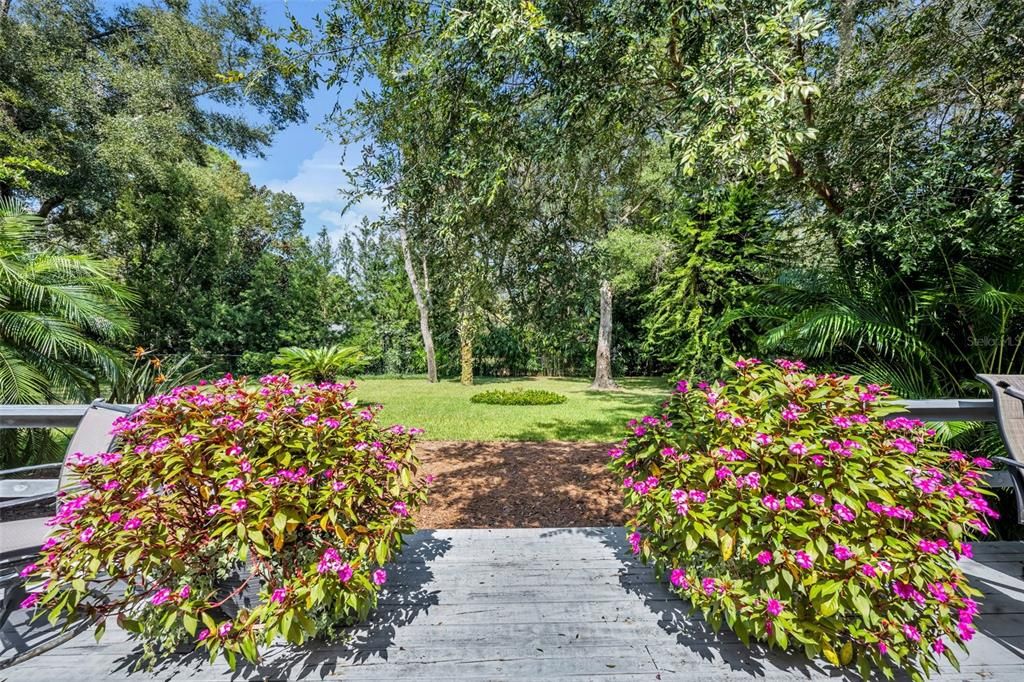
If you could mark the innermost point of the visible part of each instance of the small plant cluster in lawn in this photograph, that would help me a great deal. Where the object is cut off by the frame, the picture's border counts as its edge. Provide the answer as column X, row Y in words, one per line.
column 789, row 505
column 520, row 396
column 292, row 489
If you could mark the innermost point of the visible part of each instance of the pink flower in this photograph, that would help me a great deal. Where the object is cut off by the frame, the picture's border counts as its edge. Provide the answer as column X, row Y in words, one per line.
column 345, row 573
column 843, row 512
column 204, row 634
column 883, row 648
column 28, row 570
column 708, row 585
column 337, row 486
column 868, row 570
column 310, row 419
column 234, row 450
column 982, row 462
column 817, row 499
column 798, row 448
column 380, row 576
column 212, row 509
column 235, row 484
column 278, row 596
column 773, row 607
column 160, row 597
column 634, row 541
column 842, row 422
column 723, row 473
column 842, row 553
column 764, row 558
column 112, row 484
column 224, row 628
column 793, row 503
column 938, row 646
column 818, row 461
column 884, row 567
column 330, row 561
column 938, row 590
column 770, row 502
column 86, row 534
column 763, row 439
column 803, row 560
column 239, row 506
column 30, row 601
column 904, row 445
column 911, row 632
column 400, row 509
column 678, row 579
column 932, row 546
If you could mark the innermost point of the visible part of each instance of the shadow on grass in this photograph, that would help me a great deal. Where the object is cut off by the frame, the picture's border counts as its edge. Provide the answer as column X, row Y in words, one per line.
column 401, row 601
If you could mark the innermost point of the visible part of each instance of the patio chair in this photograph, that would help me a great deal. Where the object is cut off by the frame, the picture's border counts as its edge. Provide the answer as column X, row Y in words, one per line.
column 1008, row 394
column 20, row 539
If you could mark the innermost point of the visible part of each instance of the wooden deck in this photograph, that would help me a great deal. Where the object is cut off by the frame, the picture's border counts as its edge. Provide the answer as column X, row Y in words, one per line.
column 541, row 603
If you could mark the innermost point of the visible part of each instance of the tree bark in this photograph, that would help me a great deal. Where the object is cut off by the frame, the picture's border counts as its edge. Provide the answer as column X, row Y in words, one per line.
column 422, row 305
column 603, row 365
column 465, row 346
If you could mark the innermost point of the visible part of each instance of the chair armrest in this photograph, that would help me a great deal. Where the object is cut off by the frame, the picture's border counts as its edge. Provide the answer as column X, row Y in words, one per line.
column 1009, row 462
column 26, row 501
column 34, row 467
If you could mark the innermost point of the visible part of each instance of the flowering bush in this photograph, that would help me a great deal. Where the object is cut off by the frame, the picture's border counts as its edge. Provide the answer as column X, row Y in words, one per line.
column 290, row 491
column 787, row 504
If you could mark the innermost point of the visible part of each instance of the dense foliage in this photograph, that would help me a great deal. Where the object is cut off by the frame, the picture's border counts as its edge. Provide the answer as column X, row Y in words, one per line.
column 320, row 364
column 790, row 506
column 524, row 396
column 289, row 491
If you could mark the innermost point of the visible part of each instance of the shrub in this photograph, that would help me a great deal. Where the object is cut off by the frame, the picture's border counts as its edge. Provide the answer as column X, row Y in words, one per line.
column 518, row 397
column 290, row 489
column 787, row 505
column 320, row 364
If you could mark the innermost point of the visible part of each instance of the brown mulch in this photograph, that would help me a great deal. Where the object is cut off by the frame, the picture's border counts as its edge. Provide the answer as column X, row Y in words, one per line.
column 518, row 485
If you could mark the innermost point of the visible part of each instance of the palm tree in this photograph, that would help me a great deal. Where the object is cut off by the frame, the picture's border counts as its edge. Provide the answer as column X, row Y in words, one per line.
column 926, row 341
column 58, row 312
column 320, row 364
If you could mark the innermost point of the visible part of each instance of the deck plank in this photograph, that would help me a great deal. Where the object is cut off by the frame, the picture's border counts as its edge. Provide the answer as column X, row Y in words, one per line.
column 541, row 604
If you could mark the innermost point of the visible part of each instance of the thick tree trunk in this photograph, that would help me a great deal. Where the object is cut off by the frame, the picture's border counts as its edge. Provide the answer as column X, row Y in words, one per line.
column 422, row 305
column 465, row 347
column 603, row 366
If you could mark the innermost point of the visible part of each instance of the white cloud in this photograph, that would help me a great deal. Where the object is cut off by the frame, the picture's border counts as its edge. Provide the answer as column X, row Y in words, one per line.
column 318, row 177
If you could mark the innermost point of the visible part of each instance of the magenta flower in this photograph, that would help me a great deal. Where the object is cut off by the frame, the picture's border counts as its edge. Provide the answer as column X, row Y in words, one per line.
column 793, row 503
column 239, row 506
column 868, row 570
column 234, row 451
column 842, row 553
column 817, row 499
column 843, row 512
column 112, row 484
column 380, row 576
column 708, row 585
column 634, row 541
column 310, row 419
column 278, row 596
column 938, row 646
column 904, row 445
column 803, row 560
column 798, row 448
column 86, row 534
column 773, row 607
column 400, row 509
column 235, row 484
column 224, row 628
column 160, row 597
column 771, row 503
column 332, row 423
column 764, row 558
column 28, row 570
column 763, row 439
column 818, row 461
column 911, row 633
column 938, row 591
column 678, row 578
column 30, row 601
column 345, row 573
column 212, row 509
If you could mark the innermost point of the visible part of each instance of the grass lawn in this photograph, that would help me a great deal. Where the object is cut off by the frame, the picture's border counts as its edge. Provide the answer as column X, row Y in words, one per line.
column 444, row 410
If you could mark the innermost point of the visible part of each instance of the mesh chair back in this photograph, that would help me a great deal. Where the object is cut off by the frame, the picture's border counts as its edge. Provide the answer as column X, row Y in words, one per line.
column 1006, row 389
column 91, row 437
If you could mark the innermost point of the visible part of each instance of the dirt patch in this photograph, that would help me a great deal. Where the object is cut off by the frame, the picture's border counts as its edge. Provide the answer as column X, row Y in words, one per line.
column 518, row 485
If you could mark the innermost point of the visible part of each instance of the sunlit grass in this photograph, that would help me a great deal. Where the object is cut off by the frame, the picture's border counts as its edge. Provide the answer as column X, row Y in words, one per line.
column 444, row 410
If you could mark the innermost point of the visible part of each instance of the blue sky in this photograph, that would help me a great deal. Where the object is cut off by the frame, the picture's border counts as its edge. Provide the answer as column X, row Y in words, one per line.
column 303, row 160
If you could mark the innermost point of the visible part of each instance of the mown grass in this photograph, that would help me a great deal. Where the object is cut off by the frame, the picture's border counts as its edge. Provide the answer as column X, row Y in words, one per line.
column 444, row 409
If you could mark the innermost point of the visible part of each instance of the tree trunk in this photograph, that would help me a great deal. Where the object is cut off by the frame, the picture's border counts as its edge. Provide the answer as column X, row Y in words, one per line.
column 465, row 347
column 422, row 305
column 603, row 366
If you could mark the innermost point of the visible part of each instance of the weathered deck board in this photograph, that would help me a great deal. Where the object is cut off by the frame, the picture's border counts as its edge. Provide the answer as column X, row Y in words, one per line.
column 542, row 603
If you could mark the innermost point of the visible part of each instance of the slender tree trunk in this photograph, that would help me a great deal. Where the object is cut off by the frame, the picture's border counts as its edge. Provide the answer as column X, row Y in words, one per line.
column 465, row 346
column 422, row 304
column 603, row 366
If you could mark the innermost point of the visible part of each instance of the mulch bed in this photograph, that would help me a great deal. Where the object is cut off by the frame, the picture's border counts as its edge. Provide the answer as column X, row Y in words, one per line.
column 518, row 485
